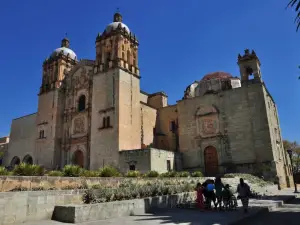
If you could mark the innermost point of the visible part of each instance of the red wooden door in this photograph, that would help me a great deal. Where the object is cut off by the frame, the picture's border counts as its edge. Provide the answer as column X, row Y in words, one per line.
column 79, row 158
column 211, row 161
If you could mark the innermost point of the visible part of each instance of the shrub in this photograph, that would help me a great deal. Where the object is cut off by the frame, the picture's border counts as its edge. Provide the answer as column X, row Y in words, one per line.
column 55, row 173
column 109, row 171
column 72, row 171
column 152, row 173
column 133, row 174
column 89, row 173
column 197, row 174
column 183, row 174
column 24, row 169
column 3, row 171
column 169, row 174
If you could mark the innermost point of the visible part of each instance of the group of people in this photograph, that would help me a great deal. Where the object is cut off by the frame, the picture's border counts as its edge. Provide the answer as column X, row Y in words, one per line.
column 214, row 191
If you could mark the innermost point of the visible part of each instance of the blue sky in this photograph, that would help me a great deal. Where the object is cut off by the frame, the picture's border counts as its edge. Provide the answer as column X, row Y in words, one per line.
column 180, row 41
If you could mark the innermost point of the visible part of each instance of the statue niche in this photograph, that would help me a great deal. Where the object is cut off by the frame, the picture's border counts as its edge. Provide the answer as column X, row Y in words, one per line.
column 207, row 121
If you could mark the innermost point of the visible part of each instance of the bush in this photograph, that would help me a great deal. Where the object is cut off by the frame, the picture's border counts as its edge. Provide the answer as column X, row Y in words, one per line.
column 152, row 173
column 197, row 174
column 3, row 171
column 133, row 174
column 133, row 191
column 109, row 171
column 169, row 174
column 89, row 173
column 72, row 171
column 24, row 169
column 183, row 174
column 55, row 173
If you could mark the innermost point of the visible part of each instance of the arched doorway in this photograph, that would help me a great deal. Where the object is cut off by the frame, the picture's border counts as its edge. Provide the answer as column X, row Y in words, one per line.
column 15, row 161
column 28, row 159
column 78, row 158
column 211, row 161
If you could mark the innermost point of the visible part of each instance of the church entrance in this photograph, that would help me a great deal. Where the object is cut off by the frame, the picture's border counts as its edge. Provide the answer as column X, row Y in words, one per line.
column 78, row 158
column 211, row 161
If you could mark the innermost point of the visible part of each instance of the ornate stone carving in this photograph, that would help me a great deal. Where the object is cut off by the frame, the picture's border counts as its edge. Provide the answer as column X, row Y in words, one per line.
column 209, row 126
column 79, row 125
column 207, row 121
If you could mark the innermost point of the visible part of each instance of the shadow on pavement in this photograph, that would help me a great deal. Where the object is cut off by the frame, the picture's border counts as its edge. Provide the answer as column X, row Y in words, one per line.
column 274, row 218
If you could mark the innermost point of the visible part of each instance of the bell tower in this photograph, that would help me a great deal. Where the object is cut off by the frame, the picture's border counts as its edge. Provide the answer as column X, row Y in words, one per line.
column 54, row 67
column 49, row 120
column 249, row 65
column 117, row 47
column 116, row 99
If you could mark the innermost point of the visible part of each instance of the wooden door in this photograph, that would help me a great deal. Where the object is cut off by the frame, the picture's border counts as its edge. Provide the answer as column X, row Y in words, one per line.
column 79, row 158
column 211, row 161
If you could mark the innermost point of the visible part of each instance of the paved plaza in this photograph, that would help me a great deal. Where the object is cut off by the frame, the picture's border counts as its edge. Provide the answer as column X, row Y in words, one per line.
column 289, row 213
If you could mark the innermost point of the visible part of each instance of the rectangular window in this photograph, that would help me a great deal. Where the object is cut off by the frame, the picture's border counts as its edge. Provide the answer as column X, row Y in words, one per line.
column 132, row 167
column 173, row 126
column 108, row 121
column 104, row 122
column 168, row 165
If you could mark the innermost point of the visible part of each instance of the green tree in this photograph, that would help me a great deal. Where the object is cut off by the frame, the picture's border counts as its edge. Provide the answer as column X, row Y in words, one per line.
column 296, row 4
column 295, row 147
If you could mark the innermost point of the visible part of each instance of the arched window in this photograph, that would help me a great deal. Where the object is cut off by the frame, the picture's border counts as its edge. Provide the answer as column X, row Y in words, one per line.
column 123, row 55
column 42, row 134
column 81, row 103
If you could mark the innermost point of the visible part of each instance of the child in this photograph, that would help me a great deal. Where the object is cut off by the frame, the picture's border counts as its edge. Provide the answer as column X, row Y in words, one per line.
column 200, row 200
column 226, row 195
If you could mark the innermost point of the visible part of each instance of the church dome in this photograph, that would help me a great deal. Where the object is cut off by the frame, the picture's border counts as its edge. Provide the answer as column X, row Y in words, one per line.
column 64, row 50
column 217, row 76
column 115, row 25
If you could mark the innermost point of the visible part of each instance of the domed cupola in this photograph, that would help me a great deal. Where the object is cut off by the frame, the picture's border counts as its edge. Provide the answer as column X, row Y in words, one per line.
column 64, row 50
column 117, row 24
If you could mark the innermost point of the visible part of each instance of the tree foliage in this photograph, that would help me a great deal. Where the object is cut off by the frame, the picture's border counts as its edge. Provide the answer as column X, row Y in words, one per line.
column 295, row 147
column 296, row 4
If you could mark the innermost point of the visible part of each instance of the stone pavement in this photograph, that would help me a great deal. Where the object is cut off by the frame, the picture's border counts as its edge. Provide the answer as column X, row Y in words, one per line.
column 288, row 214
column 260, row 216
column 167, row 217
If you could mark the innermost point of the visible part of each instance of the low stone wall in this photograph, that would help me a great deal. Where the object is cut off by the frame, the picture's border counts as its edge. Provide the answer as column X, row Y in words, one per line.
column 101, row 211
column 9, row 183
column 18, row 207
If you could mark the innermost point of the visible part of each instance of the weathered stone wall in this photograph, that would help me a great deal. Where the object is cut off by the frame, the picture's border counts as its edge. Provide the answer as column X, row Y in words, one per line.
column 104, row 140
column 19, row 207
column 9, row 183
column 165, row 138
column 159, row 160
column 241, row 135
column 129, row 111
column 148, row 121
column 102, row 211
column 140, row 158
column 145, row 160
column 22, row 139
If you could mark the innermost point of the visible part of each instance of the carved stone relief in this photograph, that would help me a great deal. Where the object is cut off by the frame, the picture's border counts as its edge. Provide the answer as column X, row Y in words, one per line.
column 79, row 125
column 207, row 121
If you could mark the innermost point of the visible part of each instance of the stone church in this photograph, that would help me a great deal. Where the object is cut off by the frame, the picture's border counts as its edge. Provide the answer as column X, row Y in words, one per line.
column 93, row 113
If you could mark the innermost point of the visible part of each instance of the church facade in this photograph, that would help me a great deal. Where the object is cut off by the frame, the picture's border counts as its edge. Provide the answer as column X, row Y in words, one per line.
column 93, row 113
